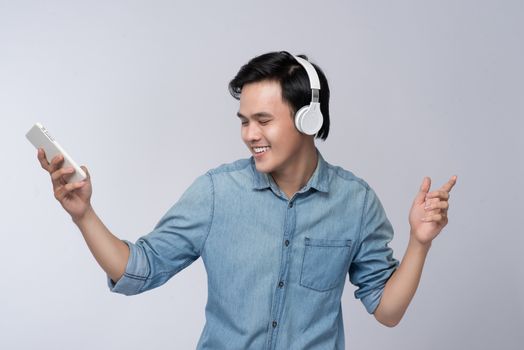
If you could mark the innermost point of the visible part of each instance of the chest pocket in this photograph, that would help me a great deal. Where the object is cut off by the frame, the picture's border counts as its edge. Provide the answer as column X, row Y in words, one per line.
column 325, row 263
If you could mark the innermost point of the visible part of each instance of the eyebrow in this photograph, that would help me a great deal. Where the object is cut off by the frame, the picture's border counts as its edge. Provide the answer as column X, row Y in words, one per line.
column 256, row 115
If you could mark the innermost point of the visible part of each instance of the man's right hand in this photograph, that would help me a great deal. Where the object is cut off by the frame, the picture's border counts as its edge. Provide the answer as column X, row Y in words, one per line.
column 75, row 197
column 110, row 252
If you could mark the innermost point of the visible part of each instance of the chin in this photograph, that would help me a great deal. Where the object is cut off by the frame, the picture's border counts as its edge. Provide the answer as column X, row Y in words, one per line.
column 269, row 163
column 266, row 166
column 266, row 169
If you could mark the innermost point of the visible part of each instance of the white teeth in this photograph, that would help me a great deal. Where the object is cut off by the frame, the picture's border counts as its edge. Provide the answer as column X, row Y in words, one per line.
column 260, row 149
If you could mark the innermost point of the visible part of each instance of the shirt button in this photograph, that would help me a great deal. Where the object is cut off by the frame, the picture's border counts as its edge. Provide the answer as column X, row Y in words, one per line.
column 290, row 205
column 274, row 324
column 286, row 242
column 280, row 284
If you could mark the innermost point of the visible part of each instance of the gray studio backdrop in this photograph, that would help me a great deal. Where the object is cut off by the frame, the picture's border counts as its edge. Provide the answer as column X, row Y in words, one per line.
column 137, row 91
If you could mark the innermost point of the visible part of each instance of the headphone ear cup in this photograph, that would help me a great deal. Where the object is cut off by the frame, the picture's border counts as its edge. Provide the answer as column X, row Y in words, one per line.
column 309, row 119
column 299, row 115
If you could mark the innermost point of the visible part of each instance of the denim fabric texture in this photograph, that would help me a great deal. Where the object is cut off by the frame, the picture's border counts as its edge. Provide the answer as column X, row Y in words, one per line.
column 276, row 266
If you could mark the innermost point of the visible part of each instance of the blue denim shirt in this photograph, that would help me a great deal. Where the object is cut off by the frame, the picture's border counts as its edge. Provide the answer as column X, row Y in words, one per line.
column 276, row 267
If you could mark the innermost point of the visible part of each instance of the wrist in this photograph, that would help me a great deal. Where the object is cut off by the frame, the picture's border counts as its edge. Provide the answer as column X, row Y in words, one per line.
column 87, row 215
column 418, row 245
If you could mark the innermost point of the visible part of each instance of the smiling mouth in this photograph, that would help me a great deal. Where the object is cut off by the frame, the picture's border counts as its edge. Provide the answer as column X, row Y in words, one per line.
column 260, row 150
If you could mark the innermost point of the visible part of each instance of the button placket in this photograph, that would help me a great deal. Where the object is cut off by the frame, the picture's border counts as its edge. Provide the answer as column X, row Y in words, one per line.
column 280, row 290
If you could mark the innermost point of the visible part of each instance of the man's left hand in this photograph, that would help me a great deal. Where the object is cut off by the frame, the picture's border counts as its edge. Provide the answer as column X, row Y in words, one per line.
column 429, row 212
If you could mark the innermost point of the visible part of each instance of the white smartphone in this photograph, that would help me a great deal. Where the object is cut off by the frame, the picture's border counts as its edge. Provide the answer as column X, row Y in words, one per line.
column 40, row 138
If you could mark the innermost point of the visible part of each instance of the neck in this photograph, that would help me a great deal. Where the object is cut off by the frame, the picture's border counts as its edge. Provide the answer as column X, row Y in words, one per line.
column 297, row 172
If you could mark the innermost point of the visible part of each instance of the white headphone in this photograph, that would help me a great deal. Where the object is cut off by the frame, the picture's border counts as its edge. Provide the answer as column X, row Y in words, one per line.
column 308, row 119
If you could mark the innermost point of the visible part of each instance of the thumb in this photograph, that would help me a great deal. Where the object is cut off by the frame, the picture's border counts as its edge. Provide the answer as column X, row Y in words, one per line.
column 424, row 189
column 87, row 172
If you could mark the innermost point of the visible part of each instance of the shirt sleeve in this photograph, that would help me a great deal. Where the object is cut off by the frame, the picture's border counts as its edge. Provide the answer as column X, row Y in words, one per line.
column 176, row 241
column 373, row 263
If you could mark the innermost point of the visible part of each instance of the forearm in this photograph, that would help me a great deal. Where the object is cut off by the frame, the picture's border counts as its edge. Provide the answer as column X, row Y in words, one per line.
column 109, row 251
column 402, row 285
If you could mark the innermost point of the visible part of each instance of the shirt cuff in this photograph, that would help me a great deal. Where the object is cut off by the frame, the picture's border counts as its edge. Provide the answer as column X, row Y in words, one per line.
column 135, row 275
column 372, row 300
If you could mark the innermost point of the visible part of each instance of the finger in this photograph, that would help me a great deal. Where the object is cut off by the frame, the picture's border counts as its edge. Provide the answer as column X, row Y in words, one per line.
column 434, row 218
column 449, row 185
column 438, row 194
column 56, row 163
column 437, row 205
column 84, row 168
column 63, row 190
column 423, row 190
column 42, row 159
column 426, row 184
column 433, row 212
column 431, row 201
column 61, row 175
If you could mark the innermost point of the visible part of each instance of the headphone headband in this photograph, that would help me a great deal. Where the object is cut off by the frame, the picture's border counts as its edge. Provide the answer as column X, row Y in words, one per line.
column 311, row 72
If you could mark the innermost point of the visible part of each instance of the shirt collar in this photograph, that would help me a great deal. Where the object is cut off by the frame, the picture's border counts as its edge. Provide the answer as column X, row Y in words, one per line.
column 319, row 180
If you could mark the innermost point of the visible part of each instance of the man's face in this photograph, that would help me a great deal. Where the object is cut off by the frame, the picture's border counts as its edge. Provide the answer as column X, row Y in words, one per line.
column 268, row 129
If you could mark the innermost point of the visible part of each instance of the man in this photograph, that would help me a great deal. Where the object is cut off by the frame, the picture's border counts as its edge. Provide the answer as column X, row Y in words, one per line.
column 277, row 232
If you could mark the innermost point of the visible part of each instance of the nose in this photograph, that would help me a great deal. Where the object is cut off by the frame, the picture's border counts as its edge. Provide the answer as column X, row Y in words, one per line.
column 251, row 133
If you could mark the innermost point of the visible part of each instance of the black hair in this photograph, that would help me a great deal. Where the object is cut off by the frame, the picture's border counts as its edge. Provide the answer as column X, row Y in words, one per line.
column 293, row 79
